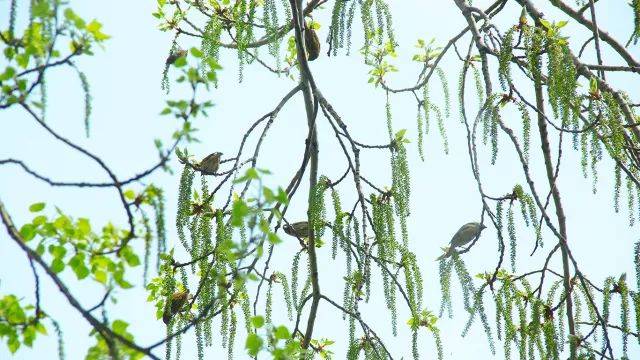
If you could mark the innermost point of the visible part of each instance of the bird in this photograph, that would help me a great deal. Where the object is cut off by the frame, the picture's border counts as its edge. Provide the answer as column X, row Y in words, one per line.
column 209, row 165
column 467, row 233
column 174, row 305
column 312, row 43
column 298, row 229
column 175, row 55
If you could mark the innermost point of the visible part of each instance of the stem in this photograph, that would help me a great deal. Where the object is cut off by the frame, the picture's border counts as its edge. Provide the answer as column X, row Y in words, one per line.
column 306, row 80
column 546, row 150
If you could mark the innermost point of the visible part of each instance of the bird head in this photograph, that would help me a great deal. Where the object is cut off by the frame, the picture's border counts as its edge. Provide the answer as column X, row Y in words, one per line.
column 482, row 227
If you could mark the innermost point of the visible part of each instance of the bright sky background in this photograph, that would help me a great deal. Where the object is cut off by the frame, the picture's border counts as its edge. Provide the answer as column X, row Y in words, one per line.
column 125, row 84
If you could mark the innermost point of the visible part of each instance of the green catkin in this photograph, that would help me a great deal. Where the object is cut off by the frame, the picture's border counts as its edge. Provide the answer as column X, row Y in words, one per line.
column 478, row 308
column 445, row 266
column 336, row 29
column 420, row 134
column 382, row 239
column 636, row 308
column 58, row 331
column 561, row 328
column 522, row 317
column 147, row 247
column 638, row 203
column 606, row 302
column 157, row 203
column 178, row 339
column 635, row 5
column 636, row 262
column 550, row 340
column 584, row 162
column 445, row 92
column 461, row 86
column 367, row 26
column 245, row 307
column 211, row 38
column 12, row 17
column 526, row 130
column 199, row 344
column 224, row 318
column 269, row 304
column 499, row 215
column 504, row 59
column 486, row 125
column 294, row 279
column 380, row 18
column 352, row 12
column 477, row 79
column 511, row 230
column 495, row 120
column 624, row 315
column 184, row 203
column 631, row 201
column 232, row 334
column 338, row 223
column 286, row 293
column 426, row 106
column 87, row 100
column 596, row 155
column 414, row 345
column 317, row 210
column 439, row 348
column 164, row 83
column 441, row 128
column 509, row 328
column 168, row 350
column 498, row 299
column 616, row 189
column 466, row 283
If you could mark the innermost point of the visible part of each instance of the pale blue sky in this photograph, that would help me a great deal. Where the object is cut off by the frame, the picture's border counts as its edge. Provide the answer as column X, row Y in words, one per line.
column 125, row 84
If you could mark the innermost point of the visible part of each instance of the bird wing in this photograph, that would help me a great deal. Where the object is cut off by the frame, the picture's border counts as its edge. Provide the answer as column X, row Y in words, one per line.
column 465, row 234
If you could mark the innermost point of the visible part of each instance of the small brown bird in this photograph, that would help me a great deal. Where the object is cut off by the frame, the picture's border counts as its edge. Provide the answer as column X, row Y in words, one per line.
column 467, row 233
column 299, row 229
column 175, row 55
column 312, row 43
column 209, row 165
column 174, row 305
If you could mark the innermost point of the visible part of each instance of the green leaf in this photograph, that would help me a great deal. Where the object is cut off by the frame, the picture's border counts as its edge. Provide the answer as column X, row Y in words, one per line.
column 36, row 207
column 28, row 232
column 39, row 220
column 58, row 251
column 57, row 265
column 238, row 212
column 129, row 194
column 81, row 271
column 253, row 344
column 180, row 62
column 100, row 276
column 282, row 333
column 273, row 238
column 196, row 52
column 120, row 327
column 257, row 321
column 84, row 226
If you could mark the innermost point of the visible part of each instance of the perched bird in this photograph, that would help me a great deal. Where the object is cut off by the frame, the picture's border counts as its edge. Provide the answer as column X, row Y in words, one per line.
column 175, row 55
column 312, row 43
column 299, row 229
column 467, row 233
column 209, row 165
column 174, row 305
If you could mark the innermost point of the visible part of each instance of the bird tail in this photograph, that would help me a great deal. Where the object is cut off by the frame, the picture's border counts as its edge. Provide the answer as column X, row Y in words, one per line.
column 447, row 252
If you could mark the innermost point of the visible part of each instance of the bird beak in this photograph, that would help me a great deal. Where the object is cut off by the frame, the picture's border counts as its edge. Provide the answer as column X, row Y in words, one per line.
column 482, row 227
